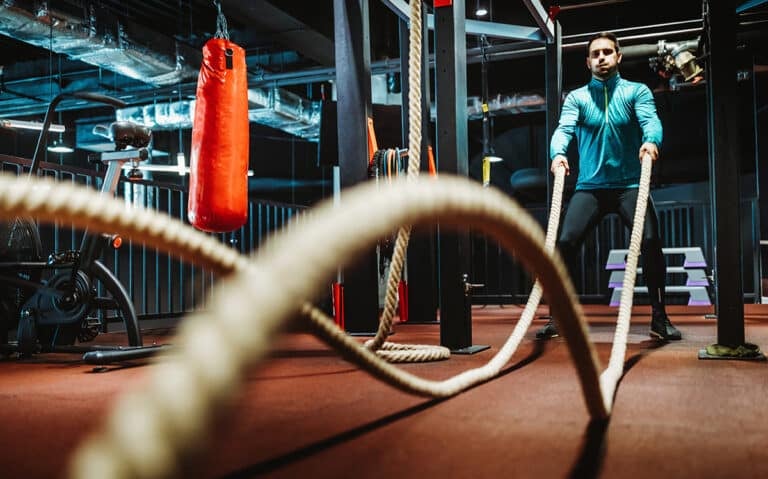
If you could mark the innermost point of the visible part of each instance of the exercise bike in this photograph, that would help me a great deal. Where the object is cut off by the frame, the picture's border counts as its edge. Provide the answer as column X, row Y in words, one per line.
column 66, row 301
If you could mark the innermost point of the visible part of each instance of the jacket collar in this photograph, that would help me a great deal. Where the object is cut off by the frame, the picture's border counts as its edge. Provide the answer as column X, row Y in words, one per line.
column 609, row 82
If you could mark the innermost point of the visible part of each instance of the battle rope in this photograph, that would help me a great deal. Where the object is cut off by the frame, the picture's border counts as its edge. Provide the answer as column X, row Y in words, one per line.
column 149, row 433
column 612, row 374
column 216, row 347
column 213, row 348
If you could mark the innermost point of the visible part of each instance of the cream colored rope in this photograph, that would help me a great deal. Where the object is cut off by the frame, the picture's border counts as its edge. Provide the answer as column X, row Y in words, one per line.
column 149, row 430
column 50, row 201
column 152, row 433
column 388, row 350
column 609, row 379
column 526, row 317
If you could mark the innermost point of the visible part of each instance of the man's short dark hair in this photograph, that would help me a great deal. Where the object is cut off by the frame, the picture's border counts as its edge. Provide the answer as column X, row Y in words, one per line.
column 610, row 36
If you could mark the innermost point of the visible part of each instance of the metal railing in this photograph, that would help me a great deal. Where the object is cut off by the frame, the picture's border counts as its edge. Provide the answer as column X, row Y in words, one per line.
column 682, row 223
column 162, row 286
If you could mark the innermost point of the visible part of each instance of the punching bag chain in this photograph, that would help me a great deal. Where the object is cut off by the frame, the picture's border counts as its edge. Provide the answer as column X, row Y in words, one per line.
column 221, row 22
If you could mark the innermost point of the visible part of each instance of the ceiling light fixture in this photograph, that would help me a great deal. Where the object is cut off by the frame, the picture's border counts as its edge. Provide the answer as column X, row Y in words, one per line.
column 58, row 146
column 487, row 160
column 480, row 9
column 30, row 125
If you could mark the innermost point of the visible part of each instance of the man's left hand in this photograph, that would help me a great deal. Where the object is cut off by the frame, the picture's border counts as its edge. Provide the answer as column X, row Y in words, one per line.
column 649, row 149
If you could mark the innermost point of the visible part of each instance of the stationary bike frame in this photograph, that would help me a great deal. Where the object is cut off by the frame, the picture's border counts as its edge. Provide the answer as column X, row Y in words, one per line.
column 85, row 265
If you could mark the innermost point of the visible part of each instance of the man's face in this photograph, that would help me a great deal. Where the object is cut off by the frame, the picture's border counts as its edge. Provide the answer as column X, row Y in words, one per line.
column 603, row 60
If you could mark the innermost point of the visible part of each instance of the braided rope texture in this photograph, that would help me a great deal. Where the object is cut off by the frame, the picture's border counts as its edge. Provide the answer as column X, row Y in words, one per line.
column 534, row 298
column 151, row 432
column 377, row 343
column 609, row 379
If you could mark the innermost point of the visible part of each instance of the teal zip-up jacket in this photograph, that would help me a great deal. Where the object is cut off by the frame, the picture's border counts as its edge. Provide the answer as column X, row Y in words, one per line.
column 610, row 119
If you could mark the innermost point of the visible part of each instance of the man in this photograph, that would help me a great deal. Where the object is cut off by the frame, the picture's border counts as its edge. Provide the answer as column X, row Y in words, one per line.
column 615, row 125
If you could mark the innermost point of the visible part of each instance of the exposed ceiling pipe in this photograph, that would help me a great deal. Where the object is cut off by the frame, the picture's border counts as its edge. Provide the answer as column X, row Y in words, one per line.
column 164, row 63
column 273, row 107
column 159, row 60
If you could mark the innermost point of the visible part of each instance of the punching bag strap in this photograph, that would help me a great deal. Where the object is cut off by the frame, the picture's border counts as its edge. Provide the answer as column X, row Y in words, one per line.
column 221, row 22
column 373, row 145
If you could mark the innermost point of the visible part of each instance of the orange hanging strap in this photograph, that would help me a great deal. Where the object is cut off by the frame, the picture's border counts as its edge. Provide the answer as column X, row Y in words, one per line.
column 431, row 160
column 372, row 143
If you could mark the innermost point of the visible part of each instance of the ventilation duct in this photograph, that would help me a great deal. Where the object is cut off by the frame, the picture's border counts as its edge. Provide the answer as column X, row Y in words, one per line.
column 273, row 107
column 285, row 111
column 116, row 51
column 84, row 40
column 160, row 116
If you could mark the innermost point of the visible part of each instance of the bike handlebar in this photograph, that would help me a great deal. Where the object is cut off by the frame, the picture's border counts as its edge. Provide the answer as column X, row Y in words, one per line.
column 96, row 97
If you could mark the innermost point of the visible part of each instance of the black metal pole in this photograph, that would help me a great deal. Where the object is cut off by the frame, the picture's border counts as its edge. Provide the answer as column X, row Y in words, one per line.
column 452, row 156
column 353, row 88
column 487, row 147
column 724, row 161
column 554, row 90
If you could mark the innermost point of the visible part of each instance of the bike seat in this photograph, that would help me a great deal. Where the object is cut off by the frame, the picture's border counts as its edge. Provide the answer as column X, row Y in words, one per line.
column 126, row 133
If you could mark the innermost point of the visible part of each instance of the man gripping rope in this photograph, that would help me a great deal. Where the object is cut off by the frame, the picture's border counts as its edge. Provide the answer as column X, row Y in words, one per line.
column 615, row 124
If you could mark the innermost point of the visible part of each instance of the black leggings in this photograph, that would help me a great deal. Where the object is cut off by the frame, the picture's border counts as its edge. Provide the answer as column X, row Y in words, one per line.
column 588, row 207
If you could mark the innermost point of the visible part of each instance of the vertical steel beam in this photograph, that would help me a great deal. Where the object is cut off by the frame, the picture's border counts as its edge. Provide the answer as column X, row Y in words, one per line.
column 422, row 280
column 405, row 45
column 724, row 159
column 761, row 175
column 452, row 158
column 754, row 220
column 553, row 56
column 353, row 87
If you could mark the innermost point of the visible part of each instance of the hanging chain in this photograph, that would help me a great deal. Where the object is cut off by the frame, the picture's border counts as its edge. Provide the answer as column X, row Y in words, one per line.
column 221, row 22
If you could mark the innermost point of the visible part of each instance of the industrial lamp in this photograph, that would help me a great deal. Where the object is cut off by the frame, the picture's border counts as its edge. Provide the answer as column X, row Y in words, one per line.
column 487, row 160
column 58, row 146
column 480, row 10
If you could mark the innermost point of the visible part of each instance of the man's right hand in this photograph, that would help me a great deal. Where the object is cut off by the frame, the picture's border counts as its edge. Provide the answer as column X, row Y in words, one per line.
column 560, row 160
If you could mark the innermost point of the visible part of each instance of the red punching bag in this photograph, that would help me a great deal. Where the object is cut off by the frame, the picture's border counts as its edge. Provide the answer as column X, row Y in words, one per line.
column 218, row 183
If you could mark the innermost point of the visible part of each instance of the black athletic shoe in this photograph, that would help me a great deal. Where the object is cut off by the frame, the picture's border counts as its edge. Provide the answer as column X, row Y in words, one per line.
column 548, row 331
column 662, row 328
